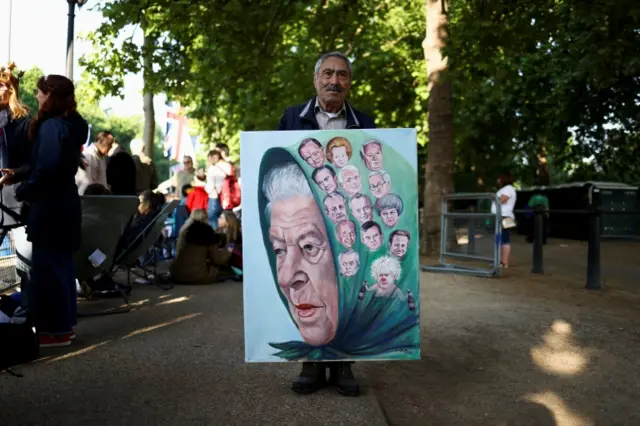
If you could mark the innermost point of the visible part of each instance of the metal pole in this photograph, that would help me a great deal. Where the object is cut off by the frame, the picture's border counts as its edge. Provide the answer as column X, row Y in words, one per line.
column 593, row 259
column 70, row 31
column 10, row 22
column 538, row 231
column 471, row 234
column 443, row 228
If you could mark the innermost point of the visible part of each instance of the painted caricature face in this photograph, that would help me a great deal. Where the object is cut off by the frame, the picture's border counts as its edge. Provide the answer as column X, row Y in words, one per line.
column 305, row 268
column 362, row 209
column 351, row 181
column 347, row 233
column 312, row 154
column 349, row 263
column 372, row 238
column 340, row 157
column 389, row 216
column 326, row 181
column 373, row 156
column 386, row 280
column 379, row 188
column 399, row 245
column 335, row 208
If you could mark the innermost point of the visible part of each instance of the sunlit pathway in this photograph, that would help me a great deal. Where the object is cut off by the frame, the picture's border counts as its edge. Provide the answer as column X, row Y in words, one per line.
column 179, row 360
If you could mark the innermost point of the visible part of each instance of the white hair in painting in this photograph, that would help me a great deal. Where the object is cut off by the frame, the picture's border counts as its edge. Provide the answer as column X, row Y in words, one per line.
column 350, row 169
column 385, row 175
column 386, row 265
column 342, row 256
column 284, row 183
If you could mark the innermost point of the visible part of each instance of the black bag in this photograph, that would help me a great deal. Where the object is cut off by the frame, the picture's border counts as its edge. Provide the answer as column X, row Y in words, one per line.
column 19, row 342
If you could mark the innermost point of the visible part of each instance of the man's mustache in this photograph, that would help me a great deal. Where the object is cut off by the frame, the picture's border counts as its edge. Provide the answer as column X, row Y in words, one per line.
column 335, row 88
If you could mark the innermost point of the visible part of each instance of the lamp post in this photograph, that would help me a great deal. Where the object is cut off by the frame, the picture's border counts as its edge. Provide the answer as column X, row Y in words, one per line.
column 70, row 36
column 10, row 22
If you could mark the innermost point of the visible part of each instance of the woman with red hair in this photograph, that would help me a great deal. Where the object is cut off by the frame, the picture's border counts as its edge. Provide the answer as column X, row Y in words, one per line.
column 54, row 213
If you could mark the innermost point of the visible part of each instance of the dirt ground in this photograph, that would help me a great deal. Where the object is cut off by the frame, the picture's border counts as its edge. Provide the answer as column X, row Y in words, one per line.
column 524, row 349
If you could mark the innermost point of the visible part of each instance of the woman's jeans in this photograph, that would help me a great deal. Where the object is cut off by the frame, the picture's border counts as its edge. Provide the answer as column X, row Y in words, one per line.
column 51, row 291
column 215, row 211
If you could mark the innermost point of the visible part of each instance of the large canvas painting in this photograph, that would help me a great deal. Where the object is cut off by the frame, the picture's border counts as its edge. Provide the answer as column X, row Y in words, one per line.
column 330, row 226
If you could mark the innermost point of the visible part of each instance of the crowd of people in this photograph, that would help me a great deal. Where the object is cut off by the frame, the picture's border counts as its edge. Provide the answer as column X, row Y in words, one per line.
column 47, row 167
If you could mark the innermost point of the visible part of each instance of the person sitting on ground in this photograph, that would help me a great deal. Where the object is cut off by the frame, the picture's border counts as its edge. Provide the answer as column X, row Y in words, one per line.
column 96, row 189
column 198, row 198
column 181, row 213
column 199, row 258
column 229, row 228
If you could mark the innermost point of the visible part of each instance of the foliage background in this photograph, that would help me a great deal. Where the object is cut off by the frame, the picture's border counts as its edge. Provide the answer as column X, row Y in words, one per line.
column 548, row 90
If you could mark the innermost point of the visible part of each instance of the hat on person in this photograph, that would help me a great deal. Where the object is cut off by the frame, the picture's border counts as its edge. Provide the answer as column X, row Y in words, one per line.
column 10, row 75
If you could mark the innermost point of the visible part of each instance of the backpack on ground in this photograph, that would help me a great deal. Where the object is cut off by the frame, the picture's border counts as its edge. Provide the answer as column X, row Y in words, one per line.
column 19, row 341
column 230, row 195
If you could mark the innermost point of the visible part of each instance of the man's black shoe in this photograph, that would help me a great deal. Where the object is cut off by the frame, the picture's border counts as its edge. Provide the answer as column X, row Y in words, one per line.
column 341, row 376
column 311, row 378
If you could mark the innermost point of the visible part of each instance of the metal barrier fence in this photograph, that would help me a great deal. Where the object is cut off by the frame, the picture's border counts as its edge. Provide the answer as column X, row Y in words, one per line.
column 8, row 274
column 469, row 235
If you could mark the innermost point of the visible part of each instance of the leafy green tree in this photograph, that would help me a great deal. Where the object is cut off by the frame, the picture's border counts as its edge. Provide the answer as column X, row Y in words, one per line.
column 542, row 80
column 28, row 85
column 238, row 67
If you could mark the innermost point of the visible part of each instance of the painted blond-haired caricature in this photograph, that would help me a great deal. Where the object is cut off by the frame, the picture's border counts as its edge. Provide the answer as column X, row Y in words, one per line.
column 386, row 271
column 339, row 151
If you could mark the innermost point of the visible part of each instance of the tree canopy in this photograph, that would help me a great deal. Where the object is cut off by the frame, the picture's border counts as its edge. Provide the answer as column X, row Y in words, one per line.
column 547, row 84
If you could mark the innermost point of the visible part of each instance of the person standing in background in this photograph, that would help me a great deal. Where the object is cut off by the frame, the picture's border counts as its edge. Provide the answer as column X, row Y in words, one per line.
column 95, row 162
column 54, row 215
column 218, row 170
column 507, row 197
column 121, row 170
column 180, row 178
column 224, row 151
column 15, row 148
column 14, row 153
column 116, row 148
column 146, row 172
column 539, row 200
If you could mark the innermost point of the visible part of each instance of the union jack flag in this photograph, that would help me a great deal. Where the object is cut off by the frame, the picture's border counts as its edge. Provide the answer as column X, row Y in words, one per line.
column 177, row 141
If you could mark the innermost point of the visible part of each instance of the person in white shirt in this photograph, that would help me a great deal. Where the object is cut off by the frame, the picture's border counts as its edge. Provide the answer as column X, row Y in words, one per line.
column 216, row 173
column 507, row 197
column 94, row 168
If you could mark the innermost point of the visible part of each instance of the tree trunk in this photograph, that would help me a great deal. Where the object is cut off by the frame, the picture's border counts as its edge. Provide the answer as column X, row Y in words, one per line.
column 148, row 135
column 439, row 169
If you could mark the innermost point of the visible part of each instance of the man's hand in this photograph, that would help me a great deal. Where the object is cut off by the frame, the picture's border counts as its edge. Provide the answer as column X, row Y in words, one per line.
column 7, row 177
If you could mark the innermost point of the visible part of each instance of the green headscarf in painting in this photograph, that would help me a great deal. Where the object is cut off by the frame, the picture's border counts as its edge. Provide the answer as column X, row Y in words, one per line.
column 369, row 326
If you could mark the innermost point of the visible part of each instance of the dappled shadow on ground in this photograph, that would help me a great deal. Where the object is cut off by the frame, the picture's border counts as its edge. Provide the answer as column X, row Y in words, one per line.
column 496, row 354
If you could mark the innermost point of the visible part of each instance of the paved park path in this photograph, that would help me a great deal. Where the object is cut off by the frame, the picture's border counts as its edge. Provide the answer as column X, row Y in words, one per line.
column 515, row 351
column 178, row 359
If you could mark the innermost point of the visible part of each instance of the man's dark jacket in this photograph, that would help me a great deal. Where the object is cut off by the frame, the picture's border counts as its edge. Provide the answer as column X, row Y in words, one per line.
column 303, row 117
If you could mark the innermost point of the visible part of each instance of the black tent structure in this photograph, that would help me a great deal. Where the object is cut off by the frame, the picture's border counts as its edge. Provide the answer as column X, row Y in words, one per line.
column 606, row 197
